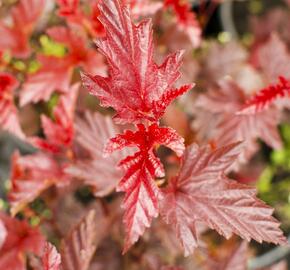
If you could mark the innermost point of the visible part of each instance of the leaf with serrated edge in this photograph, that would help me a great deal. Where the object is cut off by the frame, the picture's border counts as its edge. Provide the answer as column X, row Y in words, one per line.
column 202, row 193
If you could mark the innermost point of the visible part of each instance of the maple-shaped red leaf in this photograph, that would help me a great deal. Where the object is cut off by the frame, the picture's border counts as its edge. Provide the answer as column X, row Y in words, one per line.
column 54, row 75
column 135, row 83
column 30, row 175
column 15, row 36
column 101, row 173
column 236, row 260
column 265, row 97
column 79, row 247
column 186, row 19
column 51, row 259
column 59, row 132
column 202, row 193
column 9, row 118
column 21, row 239
column 141, row 199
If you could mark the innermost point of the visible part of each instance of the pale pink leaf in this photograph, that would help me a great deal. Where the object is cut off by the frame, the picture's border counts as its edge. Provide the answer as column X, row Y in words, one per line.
column 79, row 247
column 51, row 259
column 97, row 171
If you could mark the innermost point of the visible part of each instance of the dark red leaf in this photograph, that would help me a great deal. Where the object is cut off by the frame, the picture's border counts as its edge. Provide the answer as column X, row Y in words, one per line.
column 202, row 193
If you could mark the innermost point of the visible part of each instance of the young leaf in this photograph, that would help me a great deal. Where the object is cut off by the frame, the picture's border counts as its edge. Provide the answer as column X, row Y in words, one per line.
column 186, row 19
column 51, row 259
column 141, row 200
column 31, row 175
column 265, row 97
column 135, row 82
column 101, row 173
column 79, row 247
column 60, row 132
column 202, row 193
column 220, row 106
column 20, row 239
column 9, row 116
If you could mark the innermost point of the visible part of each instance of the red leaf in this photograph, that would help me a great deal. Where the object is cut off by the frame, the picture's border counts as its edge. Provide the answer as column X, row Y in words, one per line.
column 86, row 17
column 21, row 238
column 141, row 200
column 31, row 175
column 60, row 132
column 9, row 118
column 220, row 105
column 79, row 53
column 51, row 259
column 202, row 193
column 135, row 83
column 68, row 8
column 92, row 133
column 78, row 249
column 267, row 96
column 54, row 75
column 187, row 19
column 15, row 37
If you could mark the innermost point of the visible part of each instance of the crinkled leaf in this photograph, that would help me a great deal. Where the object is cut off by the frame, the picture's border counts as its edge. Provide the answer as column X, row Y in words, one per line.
column 141, row 169
column 135, row 82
